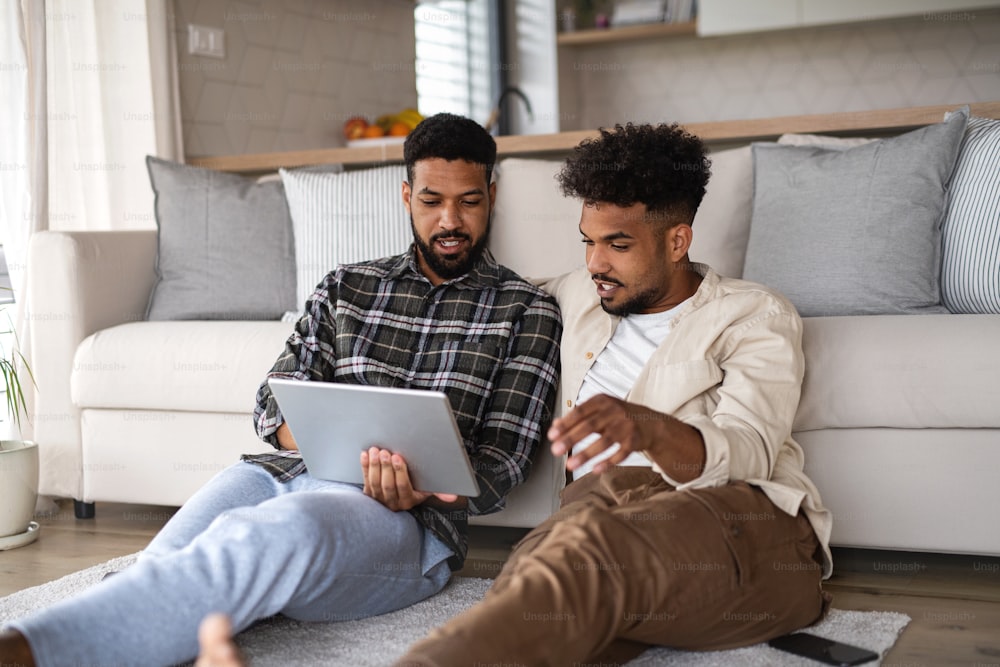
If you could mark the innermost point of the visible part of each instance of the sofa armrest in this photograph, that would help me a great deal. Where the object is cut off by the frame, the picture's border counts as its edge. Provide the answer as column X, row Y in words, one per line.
column 78, row 283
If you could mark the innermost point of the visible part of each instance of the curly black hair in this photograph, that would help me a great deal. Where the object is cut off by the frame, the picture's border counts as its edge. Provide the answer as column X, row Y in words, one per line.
column 661, row 166
column 450, row 137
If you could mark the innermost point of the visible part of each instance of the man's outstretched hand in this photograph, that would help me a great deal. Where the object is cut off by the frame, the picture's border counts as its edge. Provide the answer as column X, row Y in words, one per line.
column 676, row 447
column 387, row 480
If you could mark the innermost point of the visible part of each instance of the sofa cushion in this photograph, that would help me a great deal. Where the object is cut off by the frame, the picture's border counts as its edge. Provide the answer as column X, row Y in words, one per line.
column 225, row 246
column 854, row 231
column 534, row 230
column 970, row 271
column 897, row 371
column 535, row 227
column 342, row 218
column 722, row 225
column 195, row 366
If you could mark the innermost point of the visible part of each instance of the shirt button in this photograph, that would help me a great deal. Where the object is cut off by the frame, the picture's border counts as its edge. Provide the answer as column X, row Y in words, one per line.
column 589, row 355
column 569, row 403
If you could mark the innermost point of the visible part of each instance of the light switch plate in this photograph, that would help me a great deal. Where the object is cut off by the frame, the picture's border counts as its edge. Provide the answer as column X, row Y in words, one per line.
column 205, row 41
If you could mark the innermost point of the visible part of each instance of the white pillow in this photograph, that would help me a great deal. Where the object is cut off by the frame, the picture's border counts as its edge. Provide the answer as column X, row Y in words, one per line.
column 822, row 140
column 535, row 228
column 344, row 218
column 721, row 227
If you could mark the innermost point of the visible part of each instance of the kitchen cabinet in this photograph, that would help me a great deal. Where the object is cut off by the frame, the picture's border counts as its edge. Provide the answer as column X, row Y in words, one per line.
column 723, row 17
column 625, row 33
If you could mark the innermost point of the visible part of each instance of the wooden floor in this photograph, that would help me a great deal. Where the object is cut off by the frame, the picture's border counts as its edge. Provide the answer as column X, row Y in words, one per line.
column 954, row 601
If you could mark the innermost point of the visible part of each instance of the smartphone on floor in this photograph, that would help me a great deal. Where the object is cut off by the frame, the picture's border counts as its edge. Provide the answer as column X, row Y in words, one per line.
column 822, row 649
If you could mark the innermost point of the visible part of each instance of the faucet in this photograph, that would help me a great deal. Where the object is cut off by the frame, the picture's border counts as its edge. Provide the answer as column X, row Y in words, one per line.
column 495, row 114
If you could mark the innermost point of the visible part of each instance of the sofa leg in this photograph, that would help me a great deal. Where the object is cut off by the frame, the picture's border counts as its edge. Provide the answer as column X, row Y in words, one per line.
column 83, row 510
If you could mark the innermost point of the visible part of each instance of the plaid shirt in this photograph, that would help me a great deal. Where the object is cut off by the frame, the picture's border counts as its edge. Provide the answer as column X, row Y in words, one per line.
column 489, row 340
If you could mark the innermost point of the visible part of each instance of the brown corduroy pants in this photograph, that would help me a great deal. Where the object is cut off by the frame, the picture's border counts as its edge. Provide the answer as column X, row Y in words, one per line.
column 627, row 557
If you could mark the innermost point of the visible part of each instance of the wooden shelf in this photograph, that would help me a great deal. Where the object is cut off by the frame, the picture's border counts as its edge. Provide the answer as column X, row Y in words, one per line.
column 261, row 162
column 716, row 132
column 641, row 31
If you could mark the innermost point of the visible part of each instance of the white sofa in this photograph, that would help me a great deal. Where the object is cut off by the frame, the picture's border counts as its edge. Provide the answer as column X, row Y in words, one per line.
column 899, row 417
column 146, row 412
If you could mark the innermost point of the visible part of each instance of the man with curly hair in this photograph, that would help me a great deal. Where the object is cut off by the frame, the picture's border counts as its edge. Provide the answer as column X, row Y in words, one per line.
column 264, row 536
column 689, row 522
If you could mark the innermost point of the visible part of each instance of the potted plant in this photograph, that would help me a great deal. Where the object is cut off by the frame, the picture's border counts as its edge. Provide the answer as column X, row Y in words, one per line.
column 18, row 458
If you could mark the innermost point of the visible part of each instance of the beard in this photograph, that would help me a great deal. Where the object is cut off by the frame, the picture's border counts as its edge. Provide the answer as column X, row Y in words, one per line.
column 449, row 268
column 631, row 305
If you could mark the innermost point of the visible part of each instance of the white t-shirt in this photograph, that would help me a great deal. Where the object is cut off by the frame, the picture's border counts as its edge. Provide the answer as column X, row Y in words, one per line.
column 616, row 369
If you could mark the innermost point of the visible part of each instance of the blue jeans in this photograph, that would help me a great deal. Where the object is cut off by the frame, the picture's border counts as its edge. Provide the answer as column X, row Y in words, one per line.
column 251, row 547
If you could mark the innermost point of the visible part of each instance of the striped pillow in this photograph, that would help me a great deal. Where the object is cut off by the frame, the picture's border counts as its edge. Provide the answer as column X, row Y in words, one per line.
column 344, row 218
column 970, row 270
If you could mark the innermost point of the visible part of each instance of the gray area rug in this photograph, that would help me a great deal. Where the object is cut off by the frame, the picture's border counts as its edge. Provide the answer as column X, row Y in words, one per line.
column 378, row 641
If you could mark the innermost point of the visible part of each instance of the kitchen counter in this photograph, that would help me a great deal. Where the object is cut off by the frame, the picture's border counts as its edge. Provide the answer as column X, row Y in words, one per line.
column 713, row 133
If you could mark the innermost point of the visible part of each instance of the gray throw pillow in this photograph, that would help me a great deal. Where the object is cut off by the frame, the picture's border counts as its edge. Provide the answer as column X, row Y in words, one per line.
column 854, row 231
column 225, row 248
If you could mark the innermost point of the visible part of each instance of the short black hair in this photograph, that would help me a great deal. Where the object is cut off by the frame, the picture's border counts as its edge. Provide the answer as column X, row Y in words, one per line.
column 450, row 137
column 661, row 166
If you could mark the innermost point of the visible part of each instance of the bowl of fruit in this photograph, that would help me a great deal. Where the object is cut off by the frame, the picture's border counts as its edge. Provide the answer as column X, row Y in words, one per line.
column 387, row 129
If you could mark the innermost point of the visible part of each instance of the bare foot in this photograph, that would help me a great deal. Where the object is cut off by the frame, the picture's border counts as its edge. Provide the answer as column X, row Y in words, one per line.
column 215, row 637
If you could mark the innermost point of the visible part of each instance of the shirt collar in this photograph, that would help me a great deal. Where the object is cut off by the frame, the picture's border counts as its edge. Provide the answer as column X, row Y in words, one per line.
column 706, row 290
column 484, row 273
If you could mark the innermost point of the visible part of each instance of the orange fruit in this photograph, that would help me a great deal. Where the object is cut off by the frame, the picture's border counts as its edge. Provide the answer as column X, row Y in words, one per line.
column 373, row 132
column 399, row 130
column 354, row 128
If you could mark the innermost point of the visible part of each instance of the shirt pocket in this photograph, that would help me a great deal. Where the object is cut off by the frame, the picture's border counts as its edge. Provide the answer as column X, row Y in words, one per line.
column 667, row 387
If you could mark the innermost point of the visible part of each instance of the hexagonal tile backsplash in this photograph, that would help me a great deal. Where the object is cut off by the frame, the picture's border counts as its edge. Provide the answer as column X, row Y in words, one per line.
column 923, row 60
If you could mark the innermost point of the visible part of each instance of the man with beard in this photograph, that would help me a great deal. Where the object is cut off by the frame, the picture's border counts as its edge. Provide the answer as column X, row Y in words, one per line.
column 689, row 522
column 264, row 536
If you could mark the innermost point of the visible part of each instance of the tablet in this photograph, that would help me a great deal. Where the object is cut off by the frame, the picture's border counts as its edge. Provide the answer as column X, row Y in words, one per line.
column 333, row 422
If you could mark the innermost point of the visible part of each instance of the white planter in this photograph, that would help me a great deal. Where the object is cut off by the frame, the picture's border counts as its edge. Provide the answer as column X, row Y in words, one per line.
column 18, row 486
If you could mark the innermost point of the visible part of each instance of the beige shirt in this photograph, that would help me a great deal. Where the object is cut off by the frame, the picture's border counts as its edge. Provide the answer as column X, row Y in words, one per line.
column 731, row 367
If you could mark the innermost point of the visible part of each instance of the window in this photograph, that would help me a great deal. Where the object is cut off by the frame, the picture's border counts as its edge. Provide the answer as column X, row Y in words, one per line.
column 6, row 295
column 457, row 48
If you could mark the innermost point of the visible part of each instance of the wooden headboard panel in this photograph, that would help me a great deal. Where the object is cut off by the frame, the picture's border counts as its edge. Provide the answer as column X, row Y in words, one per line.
column 882, row 121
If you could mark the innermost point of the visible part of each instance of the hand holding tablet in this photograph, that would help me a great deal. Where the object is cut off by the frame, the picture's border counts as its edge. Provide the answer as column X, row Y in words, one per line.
column 333, row 423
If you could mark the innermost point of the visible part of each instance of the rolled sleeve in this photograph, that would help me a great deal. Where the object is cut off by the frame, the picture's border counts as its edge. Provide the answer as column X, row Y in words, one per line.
column 756, row 402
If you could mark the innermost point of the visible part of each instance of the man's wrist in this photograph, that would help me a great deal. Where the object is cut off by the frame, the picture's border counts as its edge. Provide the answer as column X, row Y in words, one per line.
column 681, row 453
column 461, row 504
column 283, row 437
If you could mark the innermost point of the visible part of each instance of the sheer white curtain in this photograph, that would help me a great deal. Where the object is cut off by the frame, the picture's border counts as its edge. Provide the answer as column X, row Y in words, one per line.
column 89, row 88
column 23, row 156
column 103, row 119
